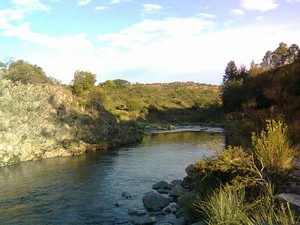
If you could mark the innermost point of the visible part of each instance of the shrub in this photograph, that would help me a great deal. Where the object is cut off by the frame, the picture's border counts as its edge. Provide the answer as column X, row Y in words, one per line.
column 134, row 105
column 266, row 211
column 273, row 148
column 83, row 81
column 26, row 73
column 226, row 205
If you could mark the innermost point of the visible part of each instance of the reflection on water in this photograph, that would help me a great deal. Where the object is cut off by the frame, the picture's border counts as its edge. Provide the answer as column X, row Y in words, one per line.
column 88, row 189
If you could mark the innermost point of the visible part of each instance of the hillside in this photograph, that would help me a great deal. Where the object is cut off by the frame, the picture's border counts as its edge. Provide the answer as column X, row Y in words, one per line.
column 45, row 120
column 268, row 90
column 163, row 102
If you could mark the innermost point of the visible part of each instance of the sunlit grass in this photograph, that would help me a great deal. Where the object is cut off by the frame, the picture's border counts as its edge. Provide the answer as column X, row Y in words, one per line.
column 273, row 148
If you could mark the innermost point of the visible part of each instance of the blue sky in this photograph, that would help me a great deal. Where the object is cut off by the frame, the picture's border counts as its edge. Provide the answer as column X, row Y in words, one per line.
column 145, row 41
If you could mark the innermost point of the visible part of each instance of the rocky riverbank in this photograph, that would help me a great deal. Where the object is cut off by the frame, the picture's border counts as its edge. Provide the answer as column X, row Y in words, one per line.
column 176, row 198
column 165, row 199
column 42, row 121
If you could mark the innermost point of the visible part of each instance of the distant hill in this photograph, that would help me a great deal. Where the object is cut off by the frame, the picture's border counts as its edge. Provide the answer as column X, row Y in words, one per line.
column 163, row 102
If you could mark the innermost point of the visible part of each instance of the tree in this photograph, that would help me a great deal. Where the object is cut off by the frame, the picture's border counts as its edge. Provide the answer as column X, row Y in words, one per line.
column 231, row 72
column 121, row 83
column 83, row 81
column 279, row 56
column 26, row 73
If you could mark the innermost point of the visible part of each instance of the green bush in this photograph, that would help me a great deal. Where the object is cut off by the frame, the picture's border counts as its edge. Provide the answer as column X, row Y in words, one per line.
column 273, row 148
column 26, row 73
column 83, row 81
column 134, row 105
column 226, row 205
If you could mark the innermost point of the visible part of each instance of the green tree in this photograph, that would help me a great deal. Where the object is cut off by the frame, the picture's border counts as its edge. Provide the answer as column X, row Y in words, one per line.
column 231, row 72
column 83, row 81
column 109, row 84
column 121, row 83
column 26, row 73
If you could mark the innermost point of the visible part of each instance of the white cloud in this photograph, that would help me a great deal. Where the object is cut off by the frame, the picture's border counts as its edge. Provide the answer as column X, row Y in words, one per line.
column 65, row 43
column 118, row 1
column 9, row 15
column 83, row 2
column 260, row 5
column 293, row 1
column 19, row 10
column 150, row 31
column 29, row 5
column 151, row 8
column 237, row 12
column 100, row 8
column 207, row 15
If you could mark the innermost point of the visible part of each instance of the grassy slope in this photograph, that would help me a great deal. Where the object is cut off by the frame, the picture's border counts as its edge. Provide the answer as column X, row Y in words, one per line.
column 150, row 101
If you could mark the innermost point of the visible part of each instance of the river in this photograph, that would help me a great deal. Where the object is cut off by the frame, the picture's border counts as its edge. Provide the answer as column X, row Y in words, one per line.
column 88, row 189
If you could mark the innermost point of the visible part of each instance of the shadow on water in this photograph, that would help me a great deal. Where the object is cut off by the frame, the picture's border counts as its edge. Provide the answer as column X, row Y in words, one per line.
column 88, row 189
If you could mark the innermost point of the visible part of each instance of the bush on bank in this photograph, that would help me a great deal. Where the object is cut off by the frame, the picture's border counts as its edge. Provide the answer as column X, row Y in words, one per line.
column 237, row 185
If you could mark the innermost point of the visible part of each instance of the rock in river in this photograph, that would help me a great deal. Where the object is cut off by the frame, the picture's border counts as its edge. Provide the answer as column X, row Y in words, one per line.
column 155, row 202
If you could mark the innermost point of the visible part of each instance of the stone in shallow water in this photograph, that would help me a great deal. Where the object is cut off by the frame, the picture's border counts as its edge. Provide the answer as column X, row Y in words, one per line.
column 161, row 185
column 177, row 191
column 154, row 201
column 125, row 194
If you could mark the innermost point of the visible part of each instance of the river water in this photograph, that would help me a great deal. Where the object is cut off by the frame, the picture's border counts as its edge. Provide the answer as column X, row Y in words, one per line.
column 88, row 189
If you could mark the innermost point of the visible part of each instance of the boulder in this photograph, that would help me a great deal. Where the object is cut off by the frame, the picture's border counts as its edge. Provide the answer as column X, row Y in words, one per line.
column 177, row 191
column 172, row 208
column 161, row 185
column 190, row 170
column 186, row 197
column 155, row 202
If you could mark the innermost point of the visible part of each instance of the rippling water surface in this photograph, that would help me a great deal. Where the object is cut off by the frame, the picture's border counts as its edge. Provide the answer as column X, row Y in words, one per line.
column 88, row 189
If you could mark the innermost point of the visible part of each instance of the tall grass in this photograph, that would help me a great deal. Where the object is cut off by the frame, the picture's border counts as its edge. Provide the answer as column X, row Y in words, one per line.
column 225, row 206
column 266, row 211
column 228, row 205
column 273, row 148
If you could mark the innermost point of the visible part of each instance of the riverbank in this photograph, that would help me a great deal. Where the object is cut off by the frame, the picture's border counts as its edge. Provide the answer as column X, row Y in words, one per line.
column 252, row 185
column 42, row 121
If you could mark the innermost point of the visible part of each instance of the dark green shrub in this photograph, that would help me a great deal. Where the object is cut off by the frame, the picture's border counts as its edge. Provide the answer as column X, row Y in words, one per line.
column 26, row 73
column 83, row 81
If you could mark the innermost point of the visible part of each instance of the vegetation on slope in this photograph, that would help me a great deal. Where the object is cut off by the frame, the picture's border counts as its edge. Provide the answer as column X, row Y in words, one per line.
column 267, row 90
column 237, row 185
column 169, row 102
column 39, row 119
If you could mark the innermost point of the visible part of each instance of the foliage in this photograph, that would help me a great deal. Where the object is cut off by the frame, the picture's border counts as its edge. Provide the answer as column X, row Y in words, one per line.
column 232, row 166
column 226, row 205
column 97, row 94
column 250, row 175
column 273, row 148
column 267, row 91
column 83, row 81
column 109, row 84
column 121, row 83
column 134, row 105
column 281, row 56
column 163, row 102
column 267, row 211
column 26, row 73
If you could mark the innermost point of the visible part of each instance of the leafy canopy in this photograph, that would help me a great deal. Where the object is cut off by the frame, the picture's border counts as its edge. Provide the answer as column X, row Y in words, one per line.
column 83, row 81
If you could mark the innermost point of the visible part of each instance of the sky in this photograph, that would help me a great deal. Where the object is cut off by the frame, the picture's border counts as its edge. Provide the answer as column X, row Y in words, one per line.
column 145, row 41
